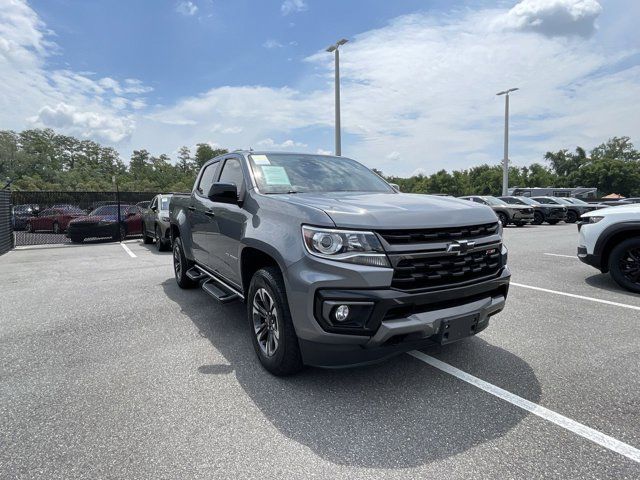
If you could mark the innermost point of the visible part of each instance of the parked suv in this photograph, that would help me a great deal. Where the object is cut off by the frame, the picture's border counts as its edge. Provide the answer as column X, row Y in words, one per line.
column 551, row 214
column 574, row 211
column 519, row 215
column 336, row 266
column 609, row 240
column 155, row 222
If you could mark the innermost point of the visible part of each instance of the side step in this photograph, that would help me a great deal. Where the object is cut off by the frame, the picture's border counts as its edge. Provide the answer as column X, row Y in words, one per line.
column 219, row 291
column 196, row 275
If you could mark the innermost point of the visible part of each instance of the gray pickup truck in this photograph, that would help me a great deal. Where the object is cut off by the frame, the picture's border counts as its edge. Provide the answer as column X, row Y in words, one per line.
column 336, row 267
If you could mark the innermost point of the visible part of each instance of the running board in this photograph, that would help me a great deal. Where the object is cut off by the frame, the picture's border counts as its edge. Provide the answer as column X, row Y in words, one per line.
column 214, row 286
column 219, row 291
column 196, row 275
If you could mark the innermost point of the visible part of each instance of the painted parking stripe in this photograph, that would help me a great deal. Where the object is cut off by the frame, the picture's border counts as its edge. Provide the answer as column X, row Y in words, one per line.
column 128, row 250
column 559, row 255
column 595, row 436
column 581, row 297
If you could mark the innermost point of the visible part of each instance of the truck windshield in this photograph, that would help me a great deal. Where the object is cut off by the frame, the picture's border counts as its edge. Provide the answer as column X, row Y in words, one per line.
column 298, row 173
column 494, row 201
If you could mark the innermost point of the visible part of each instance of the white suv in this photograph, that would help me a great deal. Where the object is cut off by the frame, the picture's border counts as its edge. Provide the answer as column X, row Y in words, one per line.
column 610, row 241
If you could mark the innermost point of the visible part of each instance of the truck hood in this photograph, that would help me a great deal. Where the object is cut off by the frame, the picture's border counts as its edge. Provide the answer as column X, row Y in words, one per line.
column 394, row 211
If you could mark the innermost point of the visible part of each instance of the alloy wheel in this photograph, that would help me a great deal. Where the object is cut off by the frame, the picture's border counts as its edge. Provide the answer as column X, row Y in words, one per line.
column 630, row 265
column 177, row 261
column 265, row 322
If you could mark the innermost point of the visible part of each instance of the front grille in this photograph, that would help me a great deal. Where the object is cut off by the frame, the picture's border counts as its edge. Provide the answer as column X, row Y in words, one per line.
column 413, row 272
column 528, row 210
column 396, row 237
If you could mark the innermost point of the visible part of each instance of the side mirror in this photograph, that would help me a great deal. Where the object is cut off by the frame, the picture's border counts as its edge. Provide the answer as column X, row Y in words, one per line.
column 131, row 214
column 154, row 209
column 223, row 193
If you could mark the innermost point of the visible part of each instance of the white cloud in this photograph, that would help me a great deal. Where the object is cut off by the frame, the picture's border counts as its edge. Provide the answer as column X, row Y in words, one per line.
column 293, row 6
column 270, row 44
column 269, row 143
column 186, row 8
column 322, row 151
column 72, row 102
column 553, row 17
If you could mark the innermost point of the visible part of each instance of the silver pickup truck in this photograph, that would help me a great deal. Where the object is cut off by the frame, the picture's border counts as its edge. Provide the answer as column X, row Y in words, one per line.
column 336, row 267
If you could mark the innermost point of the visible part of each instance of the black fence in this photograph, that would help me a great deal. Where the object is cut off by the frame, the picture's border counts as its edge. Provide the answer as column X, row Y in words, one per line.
column 6, row 237
column 44, row 217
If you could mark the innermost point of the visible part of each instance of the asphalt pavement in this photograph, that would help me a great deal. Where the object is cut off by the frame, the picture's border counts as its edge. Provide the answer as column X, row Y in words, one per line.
column 109, row 370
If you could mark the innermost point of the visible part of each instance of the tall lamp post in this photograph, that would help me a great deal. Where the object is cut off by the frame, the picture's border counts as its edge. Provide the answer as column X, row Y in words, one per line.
column 505, row 159
column 336, row 49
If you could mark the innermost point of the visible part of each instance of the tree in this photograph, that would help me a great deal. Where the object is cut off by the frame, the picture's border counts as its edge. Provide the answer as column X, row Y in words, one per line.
column 185, row 162
column 205, row 152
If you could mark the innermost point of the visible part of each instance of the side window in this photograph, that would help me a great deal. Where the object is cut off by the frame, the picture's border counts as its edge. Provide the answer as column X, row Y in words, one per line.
column 232, row 173
column 206, row 180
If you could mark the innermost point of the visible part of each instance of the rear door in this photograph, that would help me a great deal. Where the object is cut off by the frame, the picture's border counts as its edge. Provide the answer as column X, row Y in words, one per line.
column 231, row 220
column 149, row 215
column 204, row 229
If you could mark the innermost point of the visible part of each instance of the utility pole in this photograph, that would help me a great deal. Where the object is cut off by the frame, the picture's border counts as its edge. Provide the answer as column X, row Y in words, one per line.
column 336, row 50
column 505, row 158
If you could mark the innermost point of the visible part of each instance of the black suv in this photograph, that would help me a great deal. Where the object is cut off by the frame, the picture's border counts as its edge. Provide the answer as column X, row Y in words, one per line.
column 573, row 211
column 551, row 214
column 519, row 215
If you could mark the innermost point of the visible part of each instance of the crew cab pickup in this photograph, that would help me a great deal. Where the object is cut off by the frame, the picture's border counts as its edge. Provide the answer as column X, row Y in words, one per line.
column 336, row 267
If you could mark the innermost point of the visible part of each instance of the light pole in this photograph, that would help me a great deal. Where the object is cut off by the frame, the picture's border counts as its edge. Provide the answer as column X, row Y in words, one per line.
column 335, row 48
column 505, row 159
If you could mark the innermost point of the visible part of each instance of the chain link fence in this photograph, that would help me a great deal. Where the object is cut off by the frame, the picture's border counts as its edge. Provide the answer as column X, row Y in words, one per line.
column 6, row 237
column 46, row 217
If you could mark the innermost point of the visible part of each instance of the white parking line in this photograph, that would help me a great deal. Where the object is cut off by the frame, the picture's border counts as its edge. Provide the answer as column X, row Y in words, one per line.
column 559, row 255
column 581, row 297
column 595, row 436
column 128, row 250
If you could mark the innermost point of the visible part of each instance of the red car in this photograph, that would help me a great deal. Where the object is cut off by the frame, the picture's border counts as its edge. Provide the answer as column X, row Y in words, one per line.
column 54, row 220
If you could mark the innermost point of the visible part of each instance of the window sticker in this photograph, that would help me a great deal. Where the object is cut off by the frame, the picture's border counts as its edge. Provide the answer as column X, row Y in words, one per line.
column 275, row 175
column 260, row 159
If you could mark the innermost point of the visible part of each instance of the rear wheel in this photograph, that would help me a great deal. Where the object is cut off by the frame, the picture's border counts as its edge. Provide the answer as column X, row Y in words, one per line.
column 272, row 332
column 572, row 216
column 538, row 218
column 624, row 264
column 504, row 220
column 180, row 266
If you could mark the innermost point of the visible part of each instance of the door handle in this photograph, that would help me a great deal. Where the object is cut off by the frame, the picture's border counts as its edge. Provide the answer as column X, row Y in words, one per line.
column 192, row 208
column 210, row 213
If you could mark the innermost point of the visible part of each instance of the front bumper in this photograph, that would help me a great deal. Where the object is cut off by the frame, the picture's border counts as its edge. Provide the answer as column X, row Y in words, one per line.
column 589, row 258
column 522, row 217
column 92, row 230
column 397, row 321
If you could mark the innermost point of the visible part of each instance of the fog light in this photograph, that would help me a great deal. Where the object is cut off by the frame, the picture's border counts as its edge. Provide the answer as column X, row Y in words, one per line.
column 341, row 313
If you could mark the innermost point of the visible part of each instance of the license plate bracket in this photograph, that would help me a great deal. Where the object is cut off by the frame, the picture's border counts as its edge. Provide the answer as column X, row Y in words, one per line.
column 456, row 328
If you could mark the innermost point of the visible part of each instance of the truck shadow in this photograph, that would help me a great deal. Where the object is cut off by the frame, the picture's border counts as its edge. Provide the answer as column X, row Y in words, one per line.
column 398, row 414
column 603, row 281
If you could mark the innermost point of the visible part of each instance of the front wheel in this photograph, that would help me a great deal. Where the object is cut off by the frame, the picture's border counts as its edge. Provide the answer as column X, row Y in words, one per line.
column 180, row 266
column 503, row 219
column 272, row 332
column 76, row 239
column 146, row 239
column 624, row 264
column 538, row 218
column 160, row 244
column 572, row 217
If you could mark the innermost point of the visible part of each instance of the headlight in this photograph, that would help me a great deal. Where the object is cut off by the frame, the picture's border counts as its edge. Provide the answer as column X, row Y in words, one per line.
column 595, row 219
column 362, row 248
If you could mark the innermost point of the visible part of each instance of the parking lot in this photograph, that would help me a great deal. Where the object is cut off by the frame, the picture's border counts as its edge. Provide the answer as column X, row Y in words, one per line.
column 109, row 370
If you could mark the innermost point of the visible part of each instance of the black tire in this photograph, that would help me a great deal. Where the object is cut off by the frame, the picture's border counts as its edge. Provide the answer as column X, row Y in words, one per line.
column 180, row 266
column 160, row 244
column 552, row 222
column 146, row 239
column 76, row 239
column 120, row 235
column 519, row 224
column 504, row 220
column 285, row 358
column 624, row 264
column 572, row 217
column 538, row 218
column 56, row 228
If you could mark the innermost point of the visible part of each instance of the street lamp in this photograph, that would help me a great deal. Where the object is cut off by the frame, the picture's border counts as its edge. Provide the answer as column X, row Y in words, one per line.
column 505, row 159
column 335, row 49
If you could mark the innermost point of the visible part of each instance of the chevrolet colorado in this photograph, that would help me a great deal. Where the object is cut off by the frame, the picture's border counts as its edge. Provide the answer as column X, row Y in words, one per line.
column 335, row 266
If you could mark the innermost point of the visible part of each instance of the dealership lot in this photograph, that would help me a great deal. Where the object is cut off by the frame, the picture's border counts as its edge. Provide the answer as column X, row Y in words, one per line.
column 110, row 370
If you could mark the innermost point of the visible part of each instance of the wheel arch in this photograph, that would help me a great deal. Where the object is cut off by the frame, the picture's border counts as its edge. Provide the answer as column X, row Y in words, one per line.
column 252, row 259
column 611, row 237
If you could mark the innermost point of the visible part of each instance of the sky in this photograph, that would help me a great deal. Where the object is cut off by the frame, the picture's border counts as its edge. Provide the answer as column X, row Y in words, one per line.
column 419, row 78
